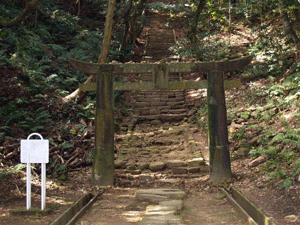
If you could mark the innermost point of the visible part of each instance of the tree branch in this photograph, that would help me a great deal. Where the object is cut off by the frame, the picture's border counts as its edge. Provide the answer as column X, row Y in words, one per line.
column 28, row 8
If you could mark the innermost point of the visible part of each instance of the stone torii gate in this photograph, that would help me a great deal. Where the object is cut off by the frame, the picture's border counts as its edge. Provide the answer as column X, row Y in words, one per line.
column 103, row 160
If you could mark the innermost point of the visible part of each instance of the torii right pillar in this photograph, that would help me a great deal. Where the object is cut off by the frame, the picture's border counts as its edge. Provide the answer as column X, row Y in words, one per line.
column 219, row 156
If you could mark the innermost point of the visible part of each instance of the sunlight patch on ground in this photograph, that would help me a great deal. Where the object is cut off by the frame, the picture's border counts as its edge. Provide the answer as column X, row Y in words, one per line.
column 133, row 216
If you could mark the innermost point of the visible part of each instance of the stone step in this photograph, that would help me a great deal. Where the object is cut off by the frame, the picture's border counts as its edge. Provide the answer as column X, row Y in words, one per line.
column 156, row 111
column 163, row 117
column 169, row 204
column 156, row 58
column 157, row 94
column 165, row 44
column 160, row 99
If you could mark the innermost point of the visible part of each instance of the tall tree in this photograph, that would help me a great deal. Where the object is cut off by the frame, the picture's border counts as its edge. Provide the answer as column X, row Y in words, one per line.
column 193, row 31
column 287, row 24
column 104, row 50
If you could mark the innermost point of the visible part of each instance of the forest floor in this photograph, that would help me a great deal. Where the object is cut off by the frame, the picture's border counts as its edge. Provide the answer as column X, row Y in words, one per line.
column 282, row 206
column 118, row 205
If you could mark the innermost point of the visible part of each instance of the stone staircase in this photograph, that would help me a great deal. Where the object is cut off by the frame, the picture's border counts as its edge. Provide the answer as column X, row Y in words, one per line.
column 157, row 106
column 160, row 106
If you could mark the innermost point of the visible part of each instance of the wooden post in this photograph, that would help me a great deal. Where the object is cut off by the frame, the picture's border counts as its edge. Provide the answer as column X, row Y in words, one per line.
column 103, row 161
column 219, row 157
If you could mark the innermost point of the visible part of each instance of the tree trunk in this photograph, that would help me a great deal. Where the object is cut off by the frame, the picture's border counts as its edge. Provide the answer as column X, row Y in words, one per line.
column 103, row 54
column 28, row 8
column 193, row 31
column 126, row 28
column 287, row 25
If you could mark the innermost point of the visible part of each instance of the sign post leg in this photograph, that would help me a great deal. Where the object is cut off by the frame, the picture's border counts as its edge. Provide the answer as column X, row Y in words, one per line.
column 103, row 161
column 43, row 186
column 28, row 186
column 219, row 157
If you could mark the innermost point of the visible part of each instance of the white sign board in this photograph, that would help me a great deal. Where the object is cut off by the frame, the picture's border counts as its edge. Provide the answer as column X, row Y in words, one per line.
column 34, row 151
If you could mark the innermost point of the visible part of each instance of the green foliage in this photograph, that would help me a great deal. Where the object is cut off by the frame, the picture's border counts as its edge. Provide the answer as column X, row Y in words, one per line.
column 41, row 48
column 289, row 138
column 164, row 7
column 14, row 169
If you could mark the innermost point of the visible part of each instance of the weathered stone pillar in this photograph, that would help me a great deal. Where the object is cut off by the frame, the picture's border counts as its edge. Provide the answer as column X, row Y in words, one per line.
column 103, row 161
column 219, row 157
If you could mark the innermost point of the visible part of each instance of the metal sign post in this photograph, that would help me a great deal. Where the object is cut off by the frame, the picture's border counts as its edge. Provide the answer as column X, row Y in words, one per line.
column 35, row 151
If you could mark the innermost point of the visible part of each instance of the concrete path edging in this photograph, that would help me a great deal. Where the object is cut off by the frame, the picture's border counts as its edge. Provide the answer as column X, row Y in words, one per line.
column 77, row 210
column 248, row 210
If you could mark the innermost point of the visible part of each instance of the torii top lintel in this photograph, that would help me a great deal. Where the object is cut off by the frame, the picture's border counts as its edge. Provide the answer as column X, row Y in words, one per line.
column 181, row 67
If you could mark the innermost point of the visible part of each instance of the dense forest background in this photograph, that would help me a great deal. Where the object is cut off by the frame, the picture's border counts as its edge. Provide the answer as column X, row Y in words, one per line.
column 37, row 37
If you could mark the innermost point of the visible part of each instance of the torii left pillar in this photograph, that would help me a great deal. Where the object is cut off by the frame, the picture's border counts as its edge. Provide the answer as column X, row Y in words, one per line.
column 103, row 162
column 103, row 155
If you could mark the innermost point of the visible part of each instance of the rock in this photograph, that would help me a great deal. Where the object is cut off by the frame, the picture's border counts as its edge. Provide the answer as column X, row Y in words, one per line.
column 162, row 220
column 255, row 139
column 196, row 162
column 131, row 166
column 145, row 165
column 204, row 169
column 124, row 127
column 240, row 120
column 291, row 218
column 156, row 166
column 157, row 210
column 193, row 170
column 169, row 181
column 177, row 203
column 155, row 122
column 154, row 111
column 261, row 159
column 146, row 177
column 119, row 163
column 175, row 163
column 135, row 172
column 243, row 151
column 160, row 194
column 179, row 170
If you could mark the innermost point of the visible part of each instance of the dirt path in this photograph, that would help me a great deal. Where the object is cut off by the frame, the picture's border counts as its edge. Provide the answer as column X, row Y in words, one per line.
column 172, row 145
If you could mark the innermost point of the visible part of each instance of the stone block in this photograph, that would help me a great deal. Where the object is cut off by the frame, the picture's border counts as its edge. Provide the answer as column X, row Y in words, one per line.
column 196, row 162
column 119, row 163
column 172, row 117
column 243, row 151
column 193, row 169
column 142, row 104
column 204, row 169
column 177, row 111
column 175, row 163
column 156, row 122
column 175, row 103
column 144, row 112
column 146, row 177
column 160, row 194
column 175, row 203
column 156, row 166
column 159, row 104
column 179, row 170
column 154, row 111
